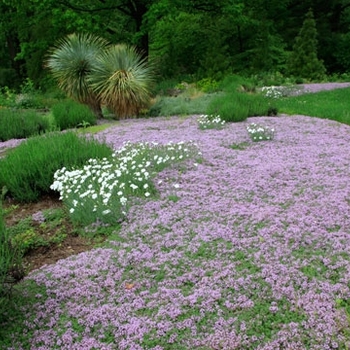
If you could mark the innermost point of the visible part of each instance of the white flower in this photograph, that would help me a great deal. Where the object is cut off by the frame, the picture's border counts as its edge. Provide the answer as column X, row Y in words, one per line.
column 105, row 212
column 147, row 194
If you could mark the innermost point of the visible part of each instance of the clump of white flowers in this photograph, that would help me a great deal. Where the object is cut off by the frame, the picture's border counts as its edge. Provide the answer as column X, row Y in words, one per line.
column 101, row 190
column 210, row 122
column 272, row 92
column 259, row 132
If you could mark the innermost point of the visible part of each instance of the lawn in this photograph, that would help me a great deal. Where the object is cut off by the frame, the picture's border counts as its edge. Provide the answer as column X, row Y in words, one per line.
column 247, row 249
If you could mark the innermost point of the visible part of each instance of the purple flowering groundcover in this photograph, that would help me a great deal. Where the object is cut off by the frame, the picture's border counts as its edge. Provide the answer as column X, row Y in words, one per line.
column 249, row 249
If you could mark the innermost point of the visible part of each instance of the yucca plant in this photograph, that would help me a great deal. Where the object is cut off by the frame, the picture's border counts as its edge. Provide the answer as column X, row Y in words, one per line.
column 122, row 79
column 71, row 61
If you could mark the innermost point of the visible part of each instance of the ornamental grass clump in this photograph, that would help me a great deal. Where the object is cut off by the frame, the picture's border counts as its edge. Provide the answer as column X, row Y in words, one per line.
column 259, row 132
column 71, row 114
column 27, row 171
column 210, row 122
column 100, row 191
column 19, row 124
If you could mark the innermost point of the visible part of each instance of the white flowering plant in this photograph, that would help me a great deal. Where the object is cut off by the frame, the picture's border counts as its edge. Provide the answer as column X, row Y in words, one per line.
column 258, row 132
column 101, row 190
column 274, row 92
column 210, row 122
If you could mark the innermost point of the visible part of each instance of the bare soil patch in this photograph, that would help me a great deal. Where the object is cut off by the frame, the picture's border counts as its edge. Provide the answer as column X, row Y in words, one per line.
column 51, row 253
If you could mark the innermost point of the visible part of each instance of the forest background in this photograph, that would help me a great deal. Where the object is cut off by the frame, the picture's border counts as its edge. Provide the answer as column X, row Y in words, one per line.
column 186, row 38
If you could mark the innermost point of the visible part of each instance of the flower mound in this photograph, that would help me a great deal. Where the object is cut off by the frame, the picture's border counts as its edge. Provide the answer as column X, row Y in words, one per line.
column 254, row 253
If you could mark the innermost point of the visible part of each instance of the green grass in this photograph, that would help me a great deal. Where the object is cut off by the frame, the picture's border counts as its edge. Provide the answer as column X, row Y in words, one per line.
column 334, row 104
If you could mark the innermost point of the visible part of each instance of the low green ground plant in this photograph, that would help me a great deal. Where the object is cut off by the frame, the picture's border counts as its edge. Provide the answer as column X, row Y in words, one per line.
column 27, row 171
column 70, row 114
column 18, row 124
column 42, row 229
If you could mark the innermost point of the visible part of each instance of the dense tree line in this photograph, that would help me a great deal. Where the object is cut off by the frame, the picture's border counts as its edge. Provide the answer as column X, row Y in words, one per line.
column 184, row 37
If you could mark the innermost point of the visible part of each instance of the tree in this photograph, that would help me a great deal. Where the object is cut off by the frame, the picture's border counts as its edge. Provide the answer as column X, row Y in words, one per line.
column 122, row 80
column 303, row 61
column 71, row 62
column 91, row 71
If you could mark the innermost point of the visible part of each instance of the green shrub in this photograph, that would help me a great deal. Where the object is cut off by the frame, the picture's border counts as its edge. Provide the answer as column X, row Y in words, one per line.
column 181, row 105
column 236, row 107
column 236, row 83
column 27, row 171
column 17, row 124
column 207, row 85
column 7, row 97
column 71, row 114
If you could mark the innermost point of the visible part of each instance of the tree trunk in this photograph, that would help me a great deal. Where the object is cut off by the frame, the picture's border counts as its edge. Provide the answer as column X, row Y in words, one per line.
column 96, row 109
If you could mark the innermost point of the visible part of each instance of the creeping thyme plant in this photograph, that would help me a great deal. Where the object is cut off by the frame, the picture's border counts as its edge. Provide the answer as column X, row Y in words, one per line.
column 101, row 190
column 210, row 122
column 259, row 132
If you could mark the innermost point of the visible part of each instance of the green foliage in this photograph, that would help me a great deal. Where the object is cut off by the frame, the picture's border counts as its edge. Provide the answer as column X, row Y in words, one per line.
column 18, row 124
column 27, row 234
column 7, row 97
column 237, row 83
column 303, row 61
column 274, row 78
column 207, row 85
column 10, row 262
column 162, row 87
column 181, row 105
column 122, row 79
column 201, row 38
column 28, row 170
column 334, row 105
column 28, row 240
column 71, row 114
column 240, row 146
column 236, row 107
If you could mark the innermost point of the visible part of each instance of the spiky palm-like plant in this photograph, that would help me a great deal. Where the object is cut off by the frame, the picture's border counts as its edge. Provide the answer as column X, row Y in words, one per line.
column 122, row 79
column 71, row 61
